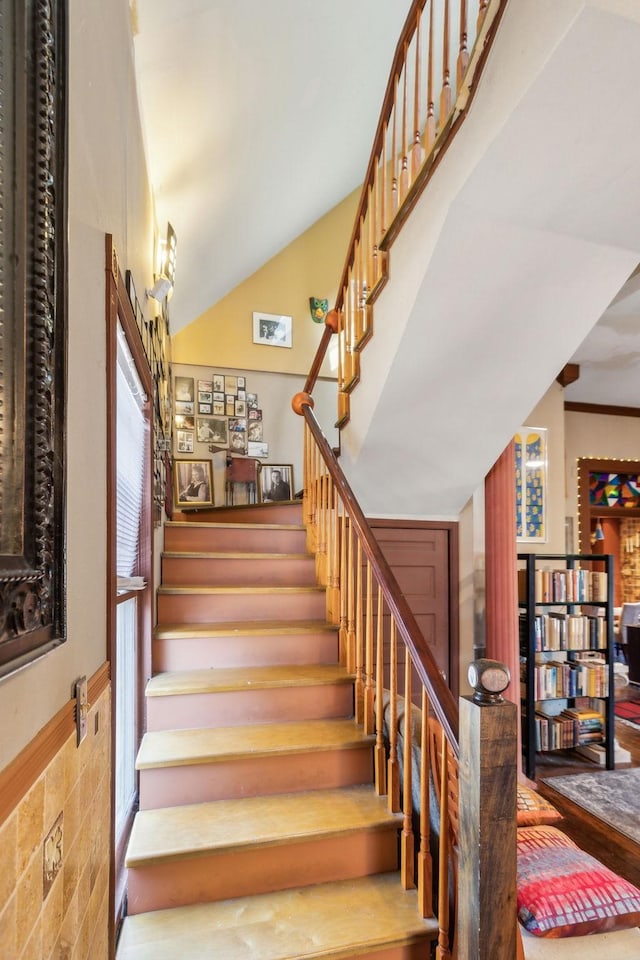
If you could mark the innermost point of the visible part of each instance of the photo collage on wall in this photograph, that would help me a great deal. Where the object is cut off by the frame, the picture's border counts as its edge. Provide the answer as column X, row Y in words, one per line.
column 219, row 412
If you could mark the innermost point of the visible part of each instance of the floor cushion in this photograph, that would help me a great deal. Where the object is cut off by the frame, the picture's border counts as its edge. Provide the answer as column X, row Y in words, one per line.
column 534, row 809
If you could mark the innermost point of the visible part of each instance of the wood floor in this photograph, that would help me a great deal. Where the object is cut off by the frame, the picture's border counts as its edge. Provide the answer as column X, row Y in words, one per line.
column 589, row 833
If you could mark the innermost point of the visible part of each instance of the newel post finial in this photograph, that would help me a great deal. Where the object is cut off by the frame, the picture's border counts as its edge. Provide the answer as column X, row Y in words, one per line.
column 300, row 400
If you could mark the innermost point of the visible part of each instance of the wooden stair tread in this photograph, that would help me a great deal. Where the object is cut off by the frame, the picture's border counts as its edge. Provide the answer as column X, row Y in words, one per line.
column 242, row 628
column 217, row 680
column 209, row 745
column 164, row 834
column 212, row 591
column 212, row 525
column 229, row 555
column 331, row 920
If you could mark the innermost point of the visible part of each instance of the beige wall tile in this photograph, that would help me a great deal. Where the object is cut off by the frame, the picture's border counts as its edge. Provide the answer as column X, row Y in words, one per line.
column 9, row 848
column 8, row 929
column 33, row 948
column 52, row 916
column 54, row 789
column 30, row 824
column 29, row 899
column 63, row 950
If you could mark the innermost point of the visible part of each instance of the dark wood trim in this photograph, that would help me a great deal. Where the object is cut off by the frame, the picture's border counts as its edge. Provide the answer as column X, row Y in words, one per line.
column 21, row 773
column 443, row 703
column 453, row 577
column 569, row 374
column 601, row 408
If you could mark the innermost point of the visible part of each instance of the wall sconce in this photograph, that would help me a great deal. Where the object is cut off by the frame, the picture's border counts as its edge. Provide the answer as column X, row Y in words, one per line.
column 598, row 532
column 163, row 285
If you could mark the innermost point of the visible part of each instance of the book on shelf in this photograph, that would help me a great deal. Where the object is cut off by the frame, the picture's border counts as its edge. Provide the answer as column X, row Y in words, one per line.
column 575, row 585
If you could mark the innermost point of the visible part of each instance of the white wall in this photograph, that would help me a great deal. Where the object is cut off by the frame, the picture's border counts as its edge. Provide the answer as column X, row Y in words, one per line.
column 108, row 193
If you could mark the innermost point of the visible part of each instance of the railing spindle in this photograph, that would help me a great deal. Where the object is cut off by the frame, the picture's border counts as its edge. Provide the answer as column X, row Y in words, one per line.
column 359, row 682
column 445, row 94
column 369, row 724
column 393, row 773
column 424, row 866
column 333, row 602
column 404, row 163
column 442, row 949
column 463, row 54
column 406, row 840
column 351, row 609
column 344, row 588
column 380, row 751
column 430, row 121
column 416, row 149
column 394, row 158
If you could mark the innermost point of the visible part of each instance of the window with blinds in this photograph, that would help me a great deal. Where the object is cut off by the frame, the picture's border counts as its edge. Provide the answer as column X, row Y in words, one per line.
column 130, row 432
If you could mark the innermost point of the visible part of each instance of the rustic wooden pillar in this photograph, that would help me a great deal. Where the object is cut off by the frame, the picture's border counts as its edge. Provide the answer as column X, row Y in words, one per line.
column 501, row 568
column 486, row 914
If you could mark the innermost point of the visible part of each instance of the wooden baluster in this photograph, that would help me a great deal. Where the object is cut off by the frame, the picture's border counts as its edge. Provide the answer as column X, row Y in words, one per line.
column 369, row 724
column 482, row 10
column 425, row 865
column 351, row 610
column 342, row 345
column 384, row 184
column 357, row 316
column 306, row 449
column 312, row 540
column 430, row 122
column 417, row 155
column 375, row 212
column 442, row 949
column 404, row 163
column 321, row 551
column 463, row 53
column 380, row 751
column 406, row 839
column 445, row 93
column 359, row 684
column 394, row 156
column 393, row 772
column 333, row 593
column 342, row 636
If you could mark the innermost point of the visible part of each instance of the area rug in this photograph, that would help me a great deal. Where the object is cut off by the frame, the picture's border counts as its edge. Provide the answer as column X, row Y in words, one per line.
column 612, row 796
column 628, row 710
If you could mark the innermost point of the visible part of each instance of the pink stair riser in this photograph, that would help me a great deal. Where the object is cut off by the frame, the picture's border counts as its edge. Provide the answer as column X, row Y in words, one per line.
column 232, row 571
column 172, row 786
column 212, row 539
column 243, row 872
column 220, row 607
column 236, row 707
column 201, row 652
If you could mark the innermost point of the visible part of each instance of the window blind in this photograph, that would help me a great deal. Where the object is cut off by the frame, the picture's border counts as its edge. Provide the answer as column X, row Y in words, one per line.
column 130, row 432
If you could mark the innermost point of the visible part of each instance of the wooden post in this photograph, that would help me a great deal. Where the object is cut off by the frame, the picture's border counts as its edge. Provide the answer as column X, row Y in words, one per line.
column 486, row 902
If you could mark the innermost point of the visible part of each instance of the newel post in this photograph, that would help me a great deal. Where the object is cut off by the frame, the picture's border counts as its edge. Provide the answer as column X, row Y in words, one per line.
column 486, row 918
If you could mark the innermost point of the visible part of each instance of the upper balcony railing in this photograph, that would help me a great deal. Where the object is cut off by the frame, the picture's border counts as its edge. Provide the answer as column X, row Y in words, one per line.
column 435, row 69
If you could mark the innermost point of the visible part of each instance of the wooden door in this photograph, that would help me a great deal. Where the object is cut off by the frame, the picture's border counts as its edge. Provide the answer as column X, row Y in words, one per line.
column 423, row 556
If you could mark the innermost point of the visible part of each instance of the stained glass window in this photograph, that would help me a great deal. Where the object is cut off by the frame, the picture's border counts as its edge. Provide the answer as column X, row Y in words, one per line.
column 531, row 483
column 614, row 489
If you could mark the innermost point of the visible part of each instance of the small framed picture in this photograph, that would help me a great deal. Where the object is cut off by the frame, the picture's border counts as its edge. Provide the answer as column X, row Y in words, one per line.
column 218, row 383
column 254, row 431
column 238, row 441
column 205, row 396
column 218, row 395
column 213, row 430
column 185, row 441
column 255, row 449
column 240, row 408
column 252, row 401
column 184, row 423
column 231, row 385
column 205, row 408
column 205, row 386
column 230, row 408
column 193, row 483
column 184, row 406
column 242, row 394
column 275, row 482
column 237, row 424
column 184, row 389
column 255, row 414
column 272, row 329
column 242, row 383
column 218, row 408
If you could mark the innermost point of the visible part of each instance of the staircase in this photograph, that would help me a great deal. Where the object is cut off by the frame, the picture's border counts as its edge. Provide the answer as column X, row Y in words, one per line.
column 260, row 834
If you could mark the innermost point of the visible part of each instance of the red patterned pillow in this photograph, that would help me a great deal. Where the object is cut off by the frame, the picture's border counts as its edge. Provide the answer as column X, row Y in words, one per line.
column 533, row 809
column 564, row 892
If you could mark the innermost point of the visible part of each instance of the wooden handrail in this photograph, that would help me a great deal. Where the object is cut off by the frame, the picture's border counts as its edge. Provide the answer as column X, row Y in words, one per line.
column 402, row 160
column 442, row 700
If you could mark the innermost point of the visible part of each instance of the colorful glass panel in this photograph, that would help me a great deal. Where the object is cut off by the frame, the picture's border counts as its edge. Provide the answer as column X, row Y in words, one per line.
column 614, row 490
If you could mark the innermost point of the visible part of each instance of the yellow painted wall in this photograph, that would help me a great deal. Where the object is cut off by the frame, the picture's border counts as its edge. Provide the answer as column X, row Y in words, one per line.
column 309, row 266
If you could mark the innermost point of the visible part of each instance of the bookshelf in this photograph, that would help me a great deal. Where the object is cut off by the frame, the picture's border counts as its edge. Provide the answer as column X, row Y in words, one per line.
column 566, row 662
